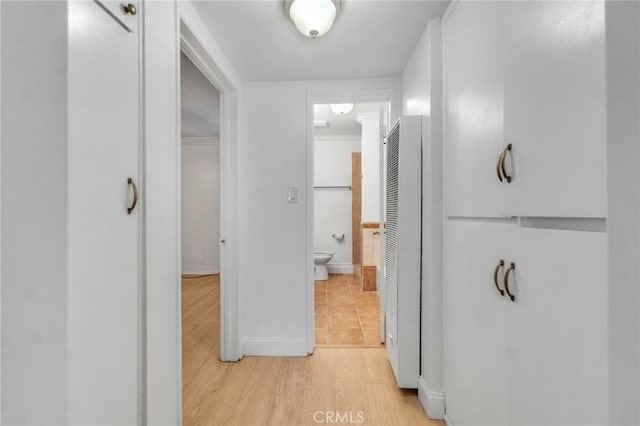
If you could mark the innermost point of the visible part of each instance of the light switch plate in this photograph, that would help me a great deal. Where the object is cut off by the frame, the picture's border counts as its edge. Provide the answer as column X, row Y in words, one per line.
column 292, row 194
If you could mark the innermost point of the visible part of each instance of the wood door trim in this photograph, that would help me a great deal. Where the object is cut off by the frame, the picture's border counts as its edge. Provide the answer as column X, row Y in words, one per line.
column 356, row 212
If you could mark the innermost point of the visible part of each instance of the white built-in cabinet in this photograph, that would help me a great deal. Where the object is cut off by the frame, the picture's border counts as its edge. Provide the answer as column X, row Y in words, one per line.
column 524, row 146
column 104, row 224
column 529, row 74
column 541, row 358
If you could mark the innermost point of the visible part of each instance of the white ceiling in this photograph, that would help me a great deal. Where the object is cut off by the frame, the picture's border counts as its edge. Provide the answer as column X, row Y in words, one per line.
column 200, row 102
column 341, row 125
column 369, row 38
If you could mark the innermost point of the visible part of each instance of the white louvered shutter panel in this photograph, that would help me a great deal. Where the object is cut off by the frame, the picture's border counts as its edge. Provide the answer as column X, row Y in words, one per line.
column 391, row 258
column 402, row 260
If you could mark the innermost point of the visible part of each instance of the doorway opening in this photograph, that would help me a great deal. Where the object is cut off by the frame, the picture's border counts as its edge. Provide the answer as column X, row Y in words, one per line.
column 347, row 146
column 200, row 213
column 209, row 302
column 196, row 45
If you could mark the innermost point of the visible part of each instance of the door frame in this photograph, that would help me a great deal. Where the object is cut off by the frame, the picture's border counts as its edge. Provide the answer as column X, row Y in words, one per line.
column 197, row 44
column 337, row 95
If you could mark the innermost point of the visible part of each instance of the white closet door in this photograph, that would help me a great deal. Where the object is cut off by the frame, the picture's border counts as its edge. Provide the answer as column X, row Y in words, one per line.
column 554, row 107
column 402, row 258
column 475, row 359
column 557, row 329
column 103, row 298
column 474, row 108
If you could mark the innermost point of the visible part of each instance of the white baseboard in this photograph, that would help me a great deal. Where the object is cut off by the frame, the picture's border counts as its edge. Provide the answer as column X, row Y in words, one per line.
column 340, row 268
column 200, row 272
column 432, row 401
column 254, row 346
column 447, row 421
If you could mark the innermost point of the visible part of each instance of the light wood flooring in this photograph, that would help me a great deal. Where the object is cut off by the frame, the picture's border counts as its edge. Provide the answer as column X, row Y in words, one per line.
column 344, row 314
column 282, row 390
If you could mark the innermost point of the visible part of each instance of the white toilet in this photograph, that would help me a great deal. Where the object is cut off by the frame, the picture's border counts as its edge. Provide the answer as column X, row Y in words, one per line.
column 320, row 259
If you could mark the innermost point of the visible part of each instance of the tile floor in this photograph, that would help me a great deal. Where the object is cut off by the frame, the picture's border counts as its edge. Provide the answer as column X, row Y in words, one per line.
column 345, row 315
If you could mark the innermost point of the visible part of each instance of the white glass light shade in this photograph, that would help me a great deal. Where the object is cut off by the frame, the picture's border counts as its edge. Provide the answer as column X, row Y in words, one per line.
column 313, row 18
column 341, row 109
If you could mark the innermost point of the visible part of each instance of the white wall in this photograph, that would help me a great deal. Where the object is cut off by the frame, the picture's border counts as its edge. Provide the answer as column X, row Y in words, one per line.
column 370, row 166
column 276, row 261
column 332, row 207
column 200, row 206
column 422, row 95
column 622, row 37
column 34, row 212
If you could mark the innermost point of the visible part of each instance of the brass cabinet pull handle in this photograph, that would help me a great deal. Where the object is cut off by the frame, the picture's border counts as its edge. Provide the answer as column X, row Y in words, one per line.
column 495, row 277
column 130, row 9
column 503, row 157
column 506, row 281
column 132, row 184
column 498, row 167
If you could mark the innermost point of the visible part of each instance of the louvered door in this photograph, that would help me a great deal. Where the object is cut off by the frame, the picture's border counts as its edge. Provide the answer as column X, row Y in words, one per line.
column 402, row 260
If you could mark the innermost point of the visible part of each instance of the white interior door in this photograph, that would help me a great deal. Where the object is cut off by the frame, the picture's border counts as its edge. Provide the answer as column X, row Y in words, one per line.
column 103, row 294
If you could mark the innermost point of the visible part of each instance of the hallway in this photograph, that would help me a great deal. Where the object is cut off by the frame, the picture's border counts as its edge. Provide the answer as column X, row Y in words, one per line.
column 282, row 390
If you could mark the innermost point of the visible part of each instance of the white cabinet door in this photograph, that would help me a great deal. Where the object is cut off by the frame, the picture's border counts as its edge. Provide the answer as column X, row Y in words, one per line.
column 474, row 79
column 103, row 291
column 557, row 329
column 554, row 108
column 529, row 74
column 540, row 359
column 475, row 357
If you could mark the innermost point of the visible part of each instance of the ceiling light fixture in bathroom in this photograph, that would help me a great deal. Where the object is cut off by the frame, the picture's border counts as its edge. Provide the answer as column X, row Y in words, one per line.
column 312, row 18
column 341, row 109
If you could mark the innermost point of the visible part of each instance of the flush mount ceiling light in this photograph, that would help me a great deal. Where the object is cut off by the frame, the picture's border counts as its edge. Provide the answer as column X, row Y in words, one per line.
column 341, row 109
column 312, row 18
